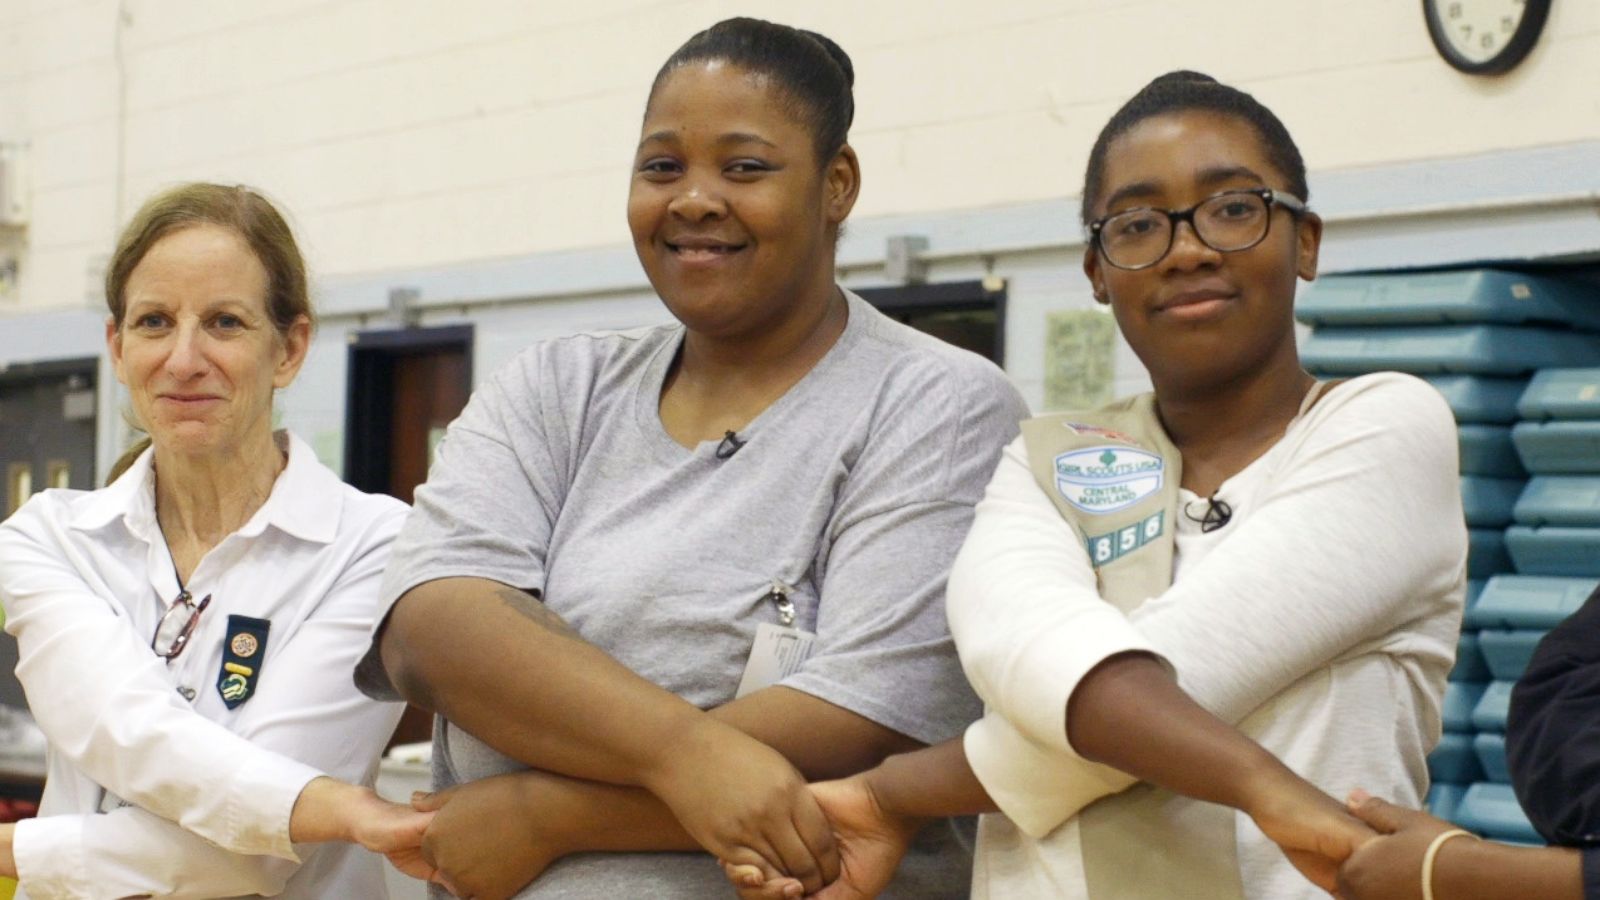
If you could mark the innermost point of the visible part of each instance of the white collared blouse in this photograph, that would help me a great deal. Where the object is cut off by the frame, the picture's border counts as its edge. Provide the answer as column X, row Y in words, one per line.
column 154, row 785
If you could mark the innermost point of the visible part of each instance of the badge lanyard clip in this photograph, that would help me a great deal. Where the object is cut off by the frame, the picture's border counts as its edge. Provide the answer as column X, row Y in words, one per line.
column 779, row 595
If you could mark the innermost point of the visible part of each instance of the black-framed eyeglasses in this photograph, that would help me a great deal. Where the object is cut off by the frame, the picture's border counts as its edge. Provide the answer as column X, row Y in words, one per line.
column 1226, row 222
column 177, row 625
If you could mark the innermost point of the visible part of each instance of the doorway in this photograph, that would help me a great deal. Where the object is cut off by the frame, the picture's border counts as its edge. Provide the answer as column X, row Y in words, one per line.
column 968, row 314
column 405, row 387
column 47, row 440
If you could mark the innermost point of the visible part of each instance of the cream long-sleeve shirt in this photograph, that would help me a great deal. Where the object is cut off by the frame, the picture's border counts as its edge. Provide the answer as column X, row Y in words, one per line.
column 1321, row 620
column 199, row 794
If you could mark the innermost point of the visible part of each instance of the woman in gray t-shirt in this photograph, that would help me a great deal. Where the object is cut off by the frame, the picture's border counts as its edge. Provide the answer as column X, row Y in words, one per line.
column 659, row 579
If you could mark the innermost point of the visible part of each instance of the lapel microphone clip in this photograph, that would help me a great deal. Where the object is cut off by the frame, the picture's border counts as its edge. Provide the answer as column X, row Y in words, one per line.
column 730, row 445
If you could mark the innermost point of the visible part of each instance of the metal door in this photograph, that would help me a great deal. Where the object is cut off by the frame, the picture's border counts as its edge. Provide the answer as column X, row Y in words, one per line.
column 47, row 434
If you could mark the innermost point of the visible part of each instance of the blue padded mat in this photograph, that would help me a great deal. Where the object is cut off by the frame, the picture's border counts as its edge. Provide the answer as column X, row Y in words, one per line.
column 1490, row 712
column 1508, row 652
column 1562, row 393
column 1443, row 798
column 1489, row 502
column 1559, row 500
column 1460, row 699
column 1491, row 752
column 1490, row 450
column 1487, row 552
column 1474, row 398
column 1471, row 295
column 1471, row 349
column 1530, row 601
column 1475, row 587
column 1492, row 809
column 1553, row 550
column 1470, row 664
column 1454, row 759
column 1553, row 447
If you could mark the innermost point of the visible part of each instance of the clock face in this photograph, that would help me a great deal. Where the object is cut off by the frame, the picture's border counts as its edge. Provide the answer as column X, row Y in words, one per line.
column 1485, row 36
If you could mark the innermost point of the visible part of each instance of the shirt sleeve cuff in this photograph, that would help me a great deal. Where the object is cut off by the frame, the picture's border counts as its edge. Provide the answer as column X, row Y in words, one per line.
column 1047, row 669
column 49, row 853
column 1037, row 787
column 260, row 800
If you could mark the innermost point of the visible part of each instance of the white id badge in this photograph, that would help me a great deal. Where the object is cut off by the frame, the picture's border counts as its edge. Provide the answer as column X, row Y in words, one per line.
column 777, row 654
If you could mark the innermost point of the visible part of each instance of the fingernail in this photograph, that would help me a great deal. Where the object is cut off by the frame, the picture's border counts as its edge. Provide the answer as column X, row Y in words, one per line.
column 1358, row 797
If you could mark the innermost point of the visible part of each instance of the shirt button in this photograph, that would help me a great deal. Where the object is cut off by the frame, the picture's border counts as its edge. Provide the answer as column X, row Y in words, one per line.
column 187, row 692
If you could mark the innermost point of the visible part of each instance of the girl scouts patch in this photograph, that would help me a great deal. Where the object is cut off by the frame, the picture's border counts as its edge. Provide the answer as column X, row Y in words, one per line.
column 1101, row 480
column 243, row 651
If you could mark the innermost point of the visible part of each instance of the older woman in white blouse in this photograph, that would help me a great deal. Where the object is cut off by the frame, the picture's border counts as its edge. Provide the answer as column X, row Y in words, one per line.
column 186, row 634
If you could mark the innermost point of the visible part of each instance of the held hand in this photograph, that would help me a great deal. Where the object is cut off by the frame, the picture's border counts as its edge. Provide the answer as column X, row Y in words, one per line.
column 1389, row 867
column 745, row 804
column 385, row 827
column 1311, row 828
column 871, row 843
column 484, row 841
column 332, row 810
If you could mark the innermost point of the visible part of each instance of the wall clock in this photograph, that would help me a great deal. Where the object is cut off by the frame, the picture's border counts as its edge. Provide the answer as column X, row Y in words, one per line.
column 1485, row 37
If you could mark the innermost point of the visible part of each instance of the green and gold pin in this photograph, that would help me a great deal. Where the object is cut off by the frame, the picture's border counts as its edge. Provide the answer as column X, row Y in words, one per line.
column 246, row 640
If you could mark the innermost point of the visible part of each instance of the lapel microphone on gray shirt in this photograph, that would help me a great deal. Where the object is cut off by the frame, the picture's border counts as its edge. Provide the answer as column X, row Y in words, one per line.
column 1218, row 513
column 730, row 445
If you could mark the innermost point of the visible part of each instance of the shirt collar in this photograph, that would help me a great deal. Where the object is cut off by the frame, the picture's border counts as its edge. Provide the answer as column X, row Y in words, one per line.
column 131, row 498
column 305, row 502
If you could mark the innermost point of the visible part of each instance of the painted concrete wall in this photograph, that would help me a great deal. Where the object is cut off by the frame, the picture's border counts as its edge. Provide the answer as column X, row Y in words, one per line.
column 410, row 132
column 479, row 150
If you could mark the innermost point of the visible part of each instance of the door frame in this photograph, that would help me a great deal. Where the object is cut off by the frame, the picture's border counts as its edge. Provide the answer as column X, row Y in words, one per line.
column 369, row 393
column 25, row 375
column 950, row 296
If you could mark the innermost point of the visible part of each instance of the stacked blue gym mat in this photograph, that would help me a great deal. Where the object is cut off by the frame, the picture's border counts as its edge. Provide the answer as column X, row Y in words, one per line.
column 1478, row 335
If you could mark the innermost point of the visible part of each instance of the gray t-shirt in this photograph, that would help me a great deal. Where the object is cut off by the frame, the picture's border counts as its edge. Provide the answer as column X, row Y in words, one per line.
column 854, row 490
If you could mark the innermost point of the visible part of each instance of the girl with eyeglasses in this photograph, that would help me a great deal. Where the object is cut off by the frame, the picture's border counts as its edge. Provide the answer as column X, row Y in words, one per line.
column 186, row 633
column 1241, row 590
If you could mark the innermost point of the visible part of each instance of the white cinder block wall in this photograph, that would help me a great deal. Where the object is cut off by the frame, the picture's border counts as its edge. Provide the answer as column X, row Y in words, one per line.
column 409, row 135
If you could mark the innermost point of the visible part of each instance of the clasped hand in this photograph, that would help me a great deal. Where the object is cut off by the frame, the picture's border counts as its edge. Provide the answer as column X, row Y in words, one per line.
column 721, row 791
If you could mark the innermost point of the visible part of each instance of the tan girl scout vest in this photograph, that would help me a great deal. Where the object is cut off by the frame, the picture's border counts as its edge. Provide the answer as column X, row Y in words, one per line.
column 1113, row 475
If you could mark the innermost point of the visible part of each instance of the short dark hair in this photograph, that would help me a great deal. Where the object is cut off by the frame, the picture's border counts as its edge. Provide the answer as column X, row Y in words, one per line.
column 1184, row 91
column 811, row 69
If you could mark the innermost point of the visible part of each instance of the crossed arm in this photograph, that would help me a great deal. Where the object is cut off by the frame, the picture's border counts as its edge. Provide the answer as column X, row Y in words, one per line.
column 663, row 776
column 1079, row 705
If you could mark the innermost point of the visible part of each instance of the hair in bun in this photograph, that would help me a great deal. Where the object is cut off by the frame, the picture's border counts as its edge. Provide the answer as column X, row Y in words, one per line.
column 812, row 70
column 1185, row 91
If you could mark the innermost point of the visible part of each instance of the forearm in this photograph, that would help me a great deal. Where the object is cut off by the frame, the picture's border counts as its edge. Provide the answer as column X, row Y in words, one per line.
column 1129, row 713
column 820, row 739
column 8, row 859
column 554, row 680
column 326, row 811
column 933, row 782
column 583, row 816
column 1484, row 870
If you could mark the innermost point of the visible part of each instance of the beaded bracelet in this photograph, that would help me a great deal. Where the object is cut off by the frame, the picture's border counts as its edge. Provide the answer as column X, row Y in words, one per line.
column 1433, row 851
